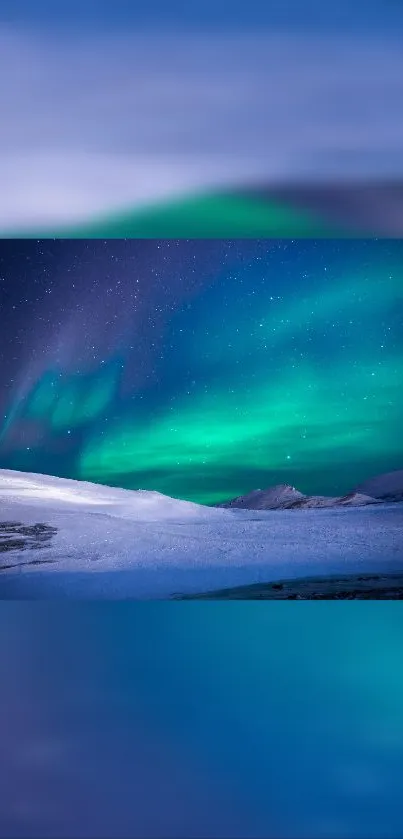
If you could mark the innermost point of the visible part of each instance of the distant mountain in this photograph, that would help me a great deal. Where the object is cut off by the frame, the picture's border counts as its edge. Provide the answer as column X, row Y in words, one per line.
column 387, row 487
column 274, row 498
column 286, row 497
column 353, row 499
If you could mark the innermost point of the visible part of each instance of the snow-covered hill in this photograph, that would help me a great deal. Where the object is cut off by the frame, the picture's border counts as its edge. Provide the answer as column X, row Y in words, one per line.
column 65, row 494
column 63, row 538
column 286, row 497
column 386, row 487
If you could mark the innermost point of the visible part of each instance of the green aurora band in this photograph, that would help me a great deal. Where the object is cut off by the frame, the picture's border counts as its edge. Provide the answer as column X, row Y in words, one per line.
column 307, row 415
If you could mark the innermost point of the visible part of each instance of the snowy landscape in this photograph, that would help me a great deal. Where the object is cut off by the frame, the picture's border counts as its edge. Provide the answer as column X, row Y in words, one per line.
column 65, row 538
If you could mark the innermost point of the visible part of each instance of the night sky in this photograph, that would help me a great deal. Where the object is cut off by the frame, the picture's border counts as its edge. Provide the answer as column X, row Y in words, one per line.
column 202, row 369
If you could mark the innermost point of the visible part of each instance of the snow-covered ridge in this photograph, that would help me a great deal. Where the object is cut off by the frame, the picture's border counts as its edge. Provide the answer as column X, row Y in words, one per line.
column 286, row 497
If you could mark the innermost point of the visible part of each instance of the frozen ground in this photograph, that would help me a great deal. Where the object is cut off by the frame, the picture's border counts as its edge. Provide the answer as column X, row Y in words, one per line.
column 62, row 538
column 358, row 586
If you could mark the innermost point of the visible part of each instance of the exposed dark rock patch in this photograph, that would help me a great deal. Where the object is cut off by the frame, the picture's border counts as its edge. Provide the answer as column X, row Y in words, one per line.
column 16, row 536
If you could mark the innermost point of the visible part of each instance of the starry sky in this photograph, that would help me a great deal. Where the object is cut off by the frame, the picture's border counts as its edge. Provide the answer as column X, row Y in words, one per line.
column 202, row 368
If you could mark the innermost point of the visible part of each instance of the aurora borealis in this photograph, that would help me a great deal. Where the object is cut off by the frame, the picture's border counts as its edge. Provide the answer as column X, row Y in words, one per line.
column 202, row 368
